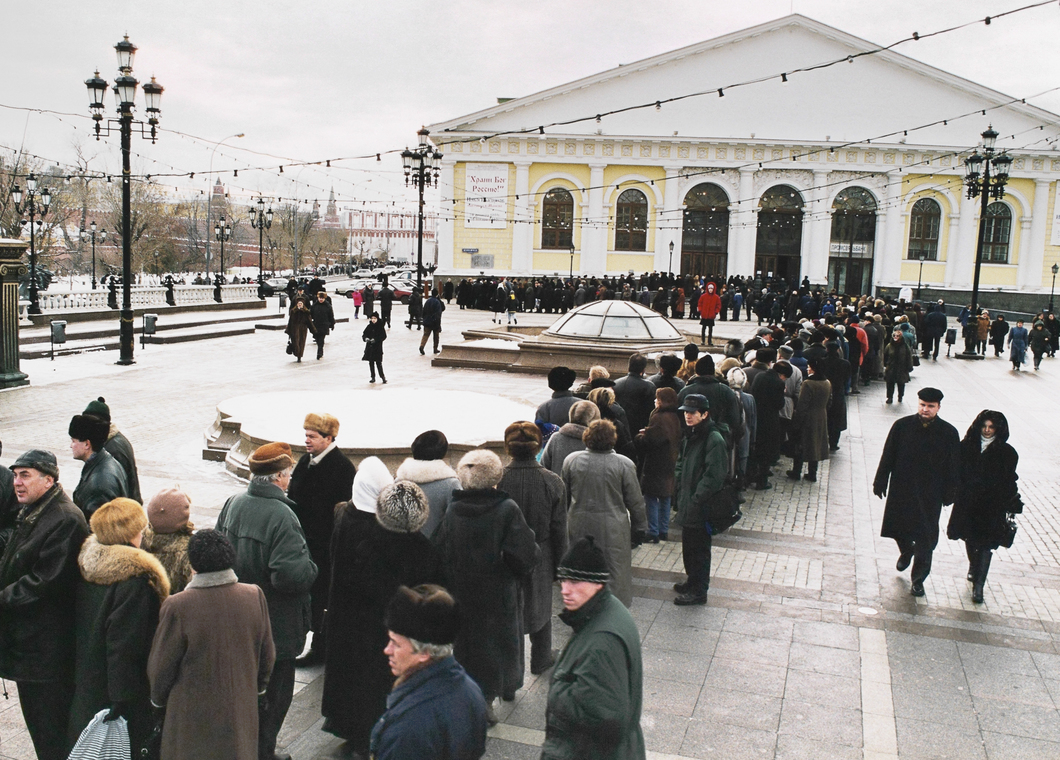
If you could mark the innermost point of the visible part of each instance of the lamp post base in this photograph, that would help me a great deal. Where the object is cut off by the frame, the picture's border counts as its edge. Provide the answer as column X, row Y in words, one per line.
column 126, row 340
column 969, row 355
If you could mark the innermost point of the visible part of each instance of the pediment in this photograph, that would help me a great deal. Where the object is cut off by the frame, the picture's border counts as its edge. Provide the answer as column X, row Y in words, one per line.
column 864, row 99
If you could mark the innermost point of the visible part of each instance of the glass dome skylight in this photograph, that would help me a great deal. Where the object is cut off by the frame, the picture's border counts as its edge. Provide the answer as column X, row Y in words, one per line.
column 614, row 320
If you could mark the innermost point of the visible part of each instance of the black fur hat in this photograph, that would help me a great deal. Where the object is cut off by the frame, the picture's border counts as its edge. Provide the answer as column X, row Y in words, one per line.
column 429, row 445
column 560, row 378
column 427, row 613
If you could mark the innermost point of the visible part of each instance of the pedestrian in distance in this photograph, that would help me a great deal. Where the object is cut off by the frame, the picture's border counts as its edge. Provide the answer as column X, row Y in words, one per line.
column 918, row 474
column 373, row 336
column 358, row 300
column 386, row 304
column 998, row 330
column 709, row 307
column 368, row 297
column 299, row 325
column 987, row 496
column 323, row 318
column 102, row 478
column 432, row 320
column 415, row 308
column 1039, row 340
column 596, row 692
column 1017, row 345
column 205, row 674
column 897, row 364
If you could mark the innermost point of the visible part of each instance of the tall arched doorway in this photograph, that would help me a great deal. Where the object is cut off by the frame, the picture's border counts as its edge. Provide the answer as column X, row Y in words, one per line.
column 705, row 231
column 778, row 249
column 851, row 246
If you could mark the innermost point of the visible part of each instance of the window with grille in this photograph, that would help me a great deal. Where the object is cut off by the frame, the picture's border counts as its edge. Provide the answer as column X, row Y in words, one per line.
column 997, row 233
column 631, row 221
column 557, row 219
column 924, row 224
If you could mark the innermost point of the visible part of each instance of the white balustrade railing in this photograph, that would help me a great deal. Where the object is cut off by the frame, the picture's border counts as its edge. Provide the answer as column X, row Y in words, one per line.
column 141, row 296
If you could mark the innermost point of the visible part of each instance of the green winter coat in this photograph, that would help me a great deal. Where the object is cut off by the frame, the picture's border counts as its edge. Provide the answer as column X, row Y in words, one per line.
column 271, row 552
column 594, row 700
column 700, row 473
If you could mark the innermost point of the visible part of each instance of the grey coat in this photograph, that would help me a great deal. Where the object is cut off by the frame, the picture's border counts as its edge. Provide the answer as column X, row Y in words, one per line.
column 561, row 445
column 605, row 500
column 437, row 481
column 557, row 409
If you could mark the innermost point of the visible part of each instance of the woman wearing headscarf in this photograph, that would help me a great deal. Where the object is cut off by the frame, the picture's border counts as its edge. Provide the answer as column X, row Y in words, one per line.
column 299, row 325
column 605, row 501
column 569, row 437
column 1039, row 339
column 986, row 495
column 371, row 559
column 1017, row 345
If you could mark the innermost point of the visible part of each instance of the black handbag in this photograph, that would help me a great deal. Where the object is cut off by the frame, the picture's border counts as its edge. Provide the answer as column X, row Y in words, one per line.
column 290, row 347
column 1010, row 532
column 723, row 511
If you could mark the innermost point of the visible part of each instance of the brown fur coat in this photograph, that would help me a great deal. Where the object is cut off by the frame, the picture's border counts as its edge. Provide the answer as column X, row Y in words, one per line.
column 171, row 549
column 106, row 565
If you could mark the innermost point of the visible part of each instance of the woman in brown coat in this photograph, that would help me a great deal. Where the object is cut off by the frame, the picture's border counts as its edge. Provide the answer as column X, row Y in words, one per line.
column 982, row 326
column 659, row 444
column 211, row 658
column 810, row 422
column 299, row 324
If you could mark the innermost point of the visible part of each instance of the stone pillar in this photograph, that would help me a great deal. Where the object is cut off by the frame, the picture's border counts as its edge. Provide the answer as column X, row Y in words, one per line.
column 594, row 233
column 1032, row 246
column 963, row 239
column 445, row 232
column 817, row 229
column 670, row 222
column 523, row 230
column 11, row 267
column 890, row 246
column 742, row 230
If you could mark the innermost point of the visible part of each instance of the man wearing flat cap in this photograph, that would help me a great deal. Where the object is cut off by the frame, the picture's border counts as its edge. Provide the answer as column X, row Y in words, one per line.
column 322, row 478
column 918, row 473
column 271, row 552
column 102, row 478
column 596, row 692
column 38, row 576
column 436, row 709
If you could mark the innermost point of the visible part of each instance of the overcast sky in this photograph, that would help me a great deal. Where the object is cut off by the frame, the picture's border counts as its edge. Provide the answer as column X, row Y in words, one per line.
column 316, row 80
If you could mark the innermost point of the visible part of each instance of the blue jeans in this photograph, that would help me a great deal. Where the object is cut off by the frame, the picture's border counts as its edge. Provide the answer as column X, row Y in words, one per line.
column 658, row 510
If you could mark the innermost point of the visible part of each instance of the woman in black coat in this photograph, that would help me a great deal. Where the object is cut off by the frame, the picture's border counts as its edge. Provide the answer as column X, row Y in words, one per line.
column 986, row 494
column 897, row 364
column 373, row 336
column 371, row 558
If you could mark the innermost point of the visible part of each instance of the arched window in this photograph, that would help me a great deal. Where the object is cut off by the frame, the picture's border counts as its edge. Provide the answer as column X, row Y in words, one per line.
column 557, row 219
column 631, row 221
column 705, row 231
column 997, row 232
column 924, row 224
column 778, row 242
column 851, row 245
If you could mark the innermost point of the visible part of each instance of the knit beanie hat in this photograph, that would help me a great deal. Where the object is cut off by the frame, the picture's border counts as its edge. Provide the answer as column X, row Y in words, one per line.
column 371, row 478
column 561, row 378
column 691, row 352
column 427, row 613
column 522, row 440
column 98, row 408
column 479, row 469
column 40, row 460
column 324, row 424
column 270, row 459
column 584, row 561
column 86, row 427
column 705, row 365
column 430, row 445
column 402, row 507
column 210, row 551
column 118, row 521
column 169, row 510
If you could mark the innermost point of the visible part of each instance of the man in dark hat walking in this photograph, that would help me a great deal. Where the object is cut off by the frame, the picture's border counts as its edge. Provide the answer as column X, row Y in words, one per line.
column 918, row 473
column 436, row 709
column 595, row 697
column 102, row 478
column 38, row 576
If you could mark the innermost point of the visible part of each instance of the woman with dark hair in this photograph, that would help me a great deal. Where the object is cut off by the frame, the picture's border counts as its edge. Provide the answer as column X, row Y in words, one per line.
column 1017, row 345
column 299, row 325
column 373, row 336
column 1039, row 342
column 897, row 364
column 986, row 495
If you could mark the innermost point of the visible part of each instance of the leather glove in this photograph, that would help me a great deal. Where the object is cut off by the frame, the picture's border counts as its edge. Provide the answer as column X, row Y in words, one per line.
column 636, row 538
column 879, row 490
column 117, row 710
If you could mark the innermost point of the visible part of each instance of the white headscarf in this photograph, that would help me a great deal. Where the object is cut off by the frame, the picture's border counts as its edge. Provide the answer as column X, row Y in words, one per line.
column 371, row 478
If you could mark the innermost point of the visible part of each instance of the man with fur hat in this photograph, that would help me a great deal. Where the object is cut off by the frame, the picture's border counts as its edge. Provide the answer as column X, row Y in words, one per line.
column 322, row 479
column 668, row 365
column 543, row 500
column 428, row 470
column 168, row 534
column 271, row 552
column 121, row 590
column 435, row 710
column 38, row 578
column 557, row 408
column 117, row 446
column 102, row 478
column 487, row 550
column 207, row 676
column 596, row 692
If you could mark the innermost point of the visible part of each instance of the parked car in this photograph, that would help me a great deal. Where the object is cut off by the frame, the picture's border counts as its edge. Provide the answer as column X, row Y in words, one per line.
column 274, row 285
column 402, row 291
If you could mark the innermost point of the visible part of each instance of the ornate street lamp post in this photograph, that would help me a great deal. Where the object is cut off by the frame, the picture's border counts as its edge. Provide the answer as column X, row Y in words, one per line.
column 261, row 220
column 37, row 203
column 1054, row 270
column 920, row 277
column 102, row 239
column 671, row 265
column 572, row 261
column 422, row 167
column 222, row 231
column 125, row 99
column 985, row 176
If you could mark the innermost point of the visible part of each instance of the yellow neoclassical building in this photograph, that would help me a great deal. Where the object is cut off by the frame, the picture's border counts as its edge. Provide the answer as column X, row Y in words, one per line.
column 849, row 174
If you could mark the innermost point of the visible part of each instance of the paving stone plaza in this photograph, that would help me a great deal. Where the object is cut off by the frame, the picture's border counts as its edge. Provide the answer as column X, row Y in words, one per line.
column 811, row 645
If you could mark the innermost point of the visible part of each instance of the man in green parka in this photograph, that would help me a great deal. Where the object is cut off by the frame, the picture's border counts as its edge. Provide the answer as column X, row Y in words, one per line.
column 595, row 698
column 700, row 473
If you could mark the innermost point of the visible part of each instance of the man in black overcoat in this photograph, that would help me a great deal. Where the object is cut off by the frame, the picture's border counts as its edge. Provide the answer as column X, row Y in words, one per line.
column 920, row 463
column 322, row 478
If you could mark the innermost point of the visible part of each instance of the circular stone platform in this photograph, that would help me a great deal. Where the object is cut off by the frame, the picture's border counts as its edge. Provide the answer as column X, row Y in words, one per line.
column 379, row 422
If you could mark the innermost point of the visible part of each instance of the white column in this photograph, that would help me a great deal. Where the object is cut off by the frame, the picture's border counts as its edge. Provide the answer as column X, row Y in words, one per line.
column 742, row 232
column 670, row 223
column 1032, row 246
column 815, row 249
column 594, row 235
column 445, row 221
column 523, row 230
column 960, row 253
column 890, row 245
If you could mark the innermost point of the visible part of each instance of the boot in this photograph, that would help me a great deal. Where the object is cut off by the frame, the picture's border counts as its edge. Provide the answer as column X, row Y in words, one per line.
column 320, row 352
column 382, row 376
column 980, row 577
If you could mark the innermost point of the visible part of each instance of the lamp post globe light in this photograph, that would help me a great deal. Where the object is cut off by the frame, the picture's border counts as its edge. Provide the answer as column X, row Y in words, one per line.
column 222, row 231
column 670, row 267
column 125, row 101
column 91, row 232
column 36, row 205
column 1054, row 270
column 572, row 261
column 920, row 277
column 985, row 177
column 422, row 167
column 261, row 220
